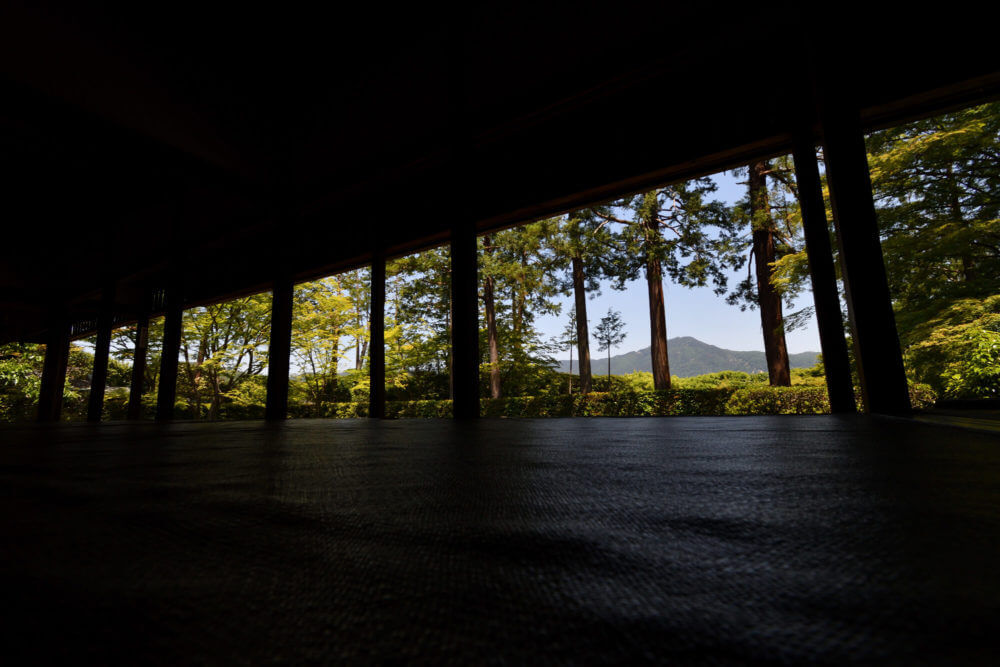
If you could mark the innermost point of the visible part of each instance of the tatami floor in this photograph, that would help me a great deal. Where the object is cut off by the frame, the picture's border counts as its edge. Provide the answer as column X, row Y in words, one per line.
column 715, row 540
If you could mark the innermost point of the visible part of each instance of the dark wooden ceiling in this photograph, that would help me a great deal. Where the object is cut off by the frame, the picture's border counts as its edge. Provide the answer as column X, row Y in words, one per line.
column 230, row 145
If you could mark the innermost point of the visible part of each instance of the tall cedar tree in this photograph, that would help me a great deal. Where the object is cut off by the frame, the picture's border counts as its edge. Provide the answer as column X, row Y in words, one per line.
column 674, row 229
column 516, row 268
column 569, row 339
column 489, row 306
column 777, row 267
column 586, row 251
column 768, row 297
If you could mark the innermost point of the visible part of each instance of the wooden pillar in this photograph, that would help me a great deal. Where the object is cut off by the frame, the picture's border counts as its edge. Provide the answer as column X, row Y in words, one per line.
column 54, row 371
column 823, row 276
column 465, row 321
column 279, row 349
column 167, row 393
column 139, row 365
column 876, row 342
column 102, row 353
column 376, row 345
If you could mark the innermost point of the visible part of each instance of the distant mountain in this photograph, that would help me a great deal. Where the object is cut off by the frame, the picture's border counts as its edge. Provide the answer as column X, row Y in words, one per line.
column 689, row 356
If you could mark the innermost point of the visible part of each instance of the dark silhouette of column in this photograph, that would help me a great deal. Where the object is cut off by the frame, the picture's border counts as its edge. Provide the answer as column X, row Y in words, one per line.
column 465, row 321
column 139, row 365
column 823, row 276
column 102, row 352
column 376, row 346
column 167, row 393
column 876, row 341
column 279, row 349
column 54, row 371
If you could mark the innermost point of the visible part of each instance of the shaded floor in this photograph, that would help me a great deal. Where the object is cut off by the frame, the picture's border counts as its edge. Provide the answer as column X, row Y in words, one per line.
column 697, row 539
column 978, row 420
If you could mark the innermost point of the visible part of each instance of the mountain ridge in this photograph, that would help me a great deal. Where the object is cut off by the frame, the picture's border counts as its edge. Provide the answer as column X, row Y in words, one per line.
column 688, row 357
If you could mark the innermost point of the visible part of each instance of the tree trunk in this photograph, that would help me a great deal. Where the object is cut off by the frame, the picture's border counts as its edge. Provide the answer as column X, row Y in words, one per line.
column 582, row 330
column 768, row 298
column 657, row 312
column 570, row 388
column 195, row 376
column 491, row 328
column 213, row 410
column 520, row 300
column 968, row 263
column 451, row 359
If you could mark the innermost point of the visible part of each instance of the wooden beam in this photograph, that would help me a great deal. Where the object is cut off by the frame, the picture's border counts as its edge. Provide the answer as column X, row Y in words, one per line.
column 279, row 350
column 167, row 392
column 465, row 321
column 54, row 371
column 139, row 365
column 102, row 353
column 823, row 277
column 879, row 359
column 376, row 346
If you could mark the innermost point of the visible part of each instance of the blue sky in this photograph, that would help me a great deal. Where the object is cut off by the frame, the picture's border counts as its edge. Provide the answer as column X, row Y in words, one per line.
column 690, row 312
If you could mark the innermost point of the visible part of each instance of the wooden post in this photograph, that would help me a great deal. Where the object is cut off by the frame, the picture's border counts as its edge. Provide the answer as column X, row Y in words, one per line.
column 102, row 353
column 279, row 350
column 167, row 393
column 139, row 365
column 465, row 321
column 376, row 345
column 823, row 276
column 54, row 371
column 880, row 361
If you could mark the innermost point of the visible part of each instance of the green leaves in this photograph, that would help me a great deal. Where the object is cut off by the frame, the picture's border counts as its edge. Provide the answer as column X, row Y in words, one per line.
column 937, row 188
column 958, row 354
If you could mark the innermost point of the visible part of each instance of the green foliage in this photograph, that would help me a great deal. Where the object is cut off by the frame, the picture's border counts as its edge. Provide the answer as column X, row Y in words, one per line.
column 223, row 347
column 636, row 381
column 767, row 400
column 20, row 379
column 518, row 268
column 692, row 236
column 123, row 341
column 722, row 379
column 783, row 217
column 937, row 188
column 418, row 315
column 957, row 353
column 119, row 373
column 321, row 317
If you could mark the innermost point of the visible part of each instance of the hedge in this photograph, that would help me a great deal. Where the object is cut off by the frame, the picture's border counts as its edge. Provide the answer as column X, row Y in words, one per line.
column 766, row 400
column 755, row 400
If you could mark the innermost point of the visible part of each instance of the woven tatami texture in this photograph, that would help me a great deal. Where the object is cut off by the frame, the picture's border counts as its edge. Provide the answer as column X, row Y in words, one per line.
column 702, row 540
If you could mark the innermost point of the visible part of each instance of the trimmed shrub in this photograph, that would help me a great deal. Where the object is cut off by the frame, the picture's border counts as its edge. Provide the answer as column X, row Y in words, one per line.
column 746, row 400
column 769, row 400
column 428, row 409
